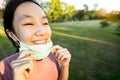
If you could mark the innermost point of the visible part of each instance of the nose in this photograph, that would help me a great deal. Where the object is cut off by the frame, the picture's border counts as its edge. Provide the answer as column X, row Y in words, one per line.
column 40, row 30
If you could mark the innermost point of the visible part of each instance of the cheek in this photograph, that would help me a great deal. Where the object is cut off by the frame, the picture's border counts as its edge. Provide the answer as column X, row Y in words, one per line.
column 49, row 32
column 25, row 35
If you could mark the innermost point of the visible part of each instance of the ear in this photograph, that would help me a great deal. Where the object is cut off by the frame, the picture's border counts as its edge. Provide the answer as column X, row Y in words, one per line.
column 11, row 35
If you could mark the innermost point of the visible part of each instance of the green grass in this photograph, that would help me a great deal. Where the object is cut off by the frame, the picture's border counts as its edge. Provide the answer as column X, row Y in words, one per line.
column 95, row 50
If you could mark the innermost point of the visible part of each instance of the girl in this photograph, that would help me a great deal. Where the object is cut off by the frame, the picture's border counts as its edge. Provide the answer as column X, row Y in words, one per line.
column 26, row 24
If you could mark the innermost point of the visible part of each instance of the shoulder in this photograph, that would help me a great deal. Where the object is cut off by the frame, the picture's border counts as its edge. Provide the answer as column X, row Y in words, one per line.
column 10, row 58
column 5, row 63
column 5, row 68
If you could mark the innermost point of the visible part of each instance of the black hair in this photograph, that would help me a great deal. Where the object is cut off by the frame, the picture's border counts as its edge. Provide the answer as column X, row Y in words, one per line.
column 9, row 15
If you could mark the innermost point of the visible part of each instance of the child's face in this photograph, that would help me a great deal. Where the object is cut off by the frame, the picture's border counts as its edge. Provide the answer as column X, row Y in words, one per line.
column 31, row 24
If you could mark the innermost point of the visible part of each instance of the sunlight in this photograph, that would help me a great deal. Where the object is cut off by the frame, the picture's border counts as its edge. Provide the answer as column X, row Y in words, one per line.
column 61, row 28
column 83, row 38
column 2, row 31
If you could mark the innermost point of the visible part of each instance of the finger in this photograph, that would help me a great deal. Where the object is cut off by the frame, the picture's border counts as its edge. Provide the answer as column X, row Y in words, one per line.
column 20, row 61
column 56, row 47
column 66, row 56
column 62, row 50
column 26, row 74
column 23, row 66
column 59, row 53
column 26, row 54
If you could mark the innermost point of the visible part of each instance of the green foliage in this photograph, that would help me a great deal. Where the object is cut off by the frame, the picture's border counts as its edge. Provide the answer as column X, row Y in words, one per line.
column 85, row 15
column 117, row 31
column 67, row 11
column 58, row 11
column 78, row 15
column 114, row 17
column 55, row 10
column 104, row 23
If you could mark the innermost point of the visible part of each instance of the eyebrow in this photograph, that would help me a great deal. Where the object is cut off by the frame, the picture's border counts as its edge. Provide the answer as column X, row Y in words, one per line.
column 29, row 16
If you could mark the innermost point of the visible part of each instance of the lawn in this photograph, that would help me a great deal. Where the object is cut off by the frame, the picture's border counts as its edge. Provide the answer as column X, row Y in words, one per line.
column 95, row 50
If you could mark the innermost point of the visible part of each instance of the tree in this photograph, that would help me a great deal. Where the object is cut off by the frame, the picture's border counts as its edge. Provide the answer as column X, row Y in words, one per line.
column 54, row 11
column 86, row 7
column 114, row 16
column 58, row 11
column 67, row 11
column 101, row 13
column 86, row 12
column 79, row 14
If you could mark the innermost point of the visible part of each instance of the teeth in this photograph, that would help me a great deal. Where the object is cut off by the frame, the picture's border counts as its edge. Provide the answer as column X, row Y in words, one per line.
column 39, row 41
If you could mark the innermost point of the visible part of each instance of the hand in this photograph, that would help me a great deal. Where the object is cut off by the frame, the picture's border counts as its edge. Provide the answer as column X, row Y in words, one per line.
column 62, row 55
column 23, row 65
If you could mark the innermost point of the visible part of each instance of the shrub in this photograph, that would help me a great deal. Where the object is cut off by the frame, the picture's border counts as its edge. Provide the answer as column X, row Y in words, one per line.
column 104, row 24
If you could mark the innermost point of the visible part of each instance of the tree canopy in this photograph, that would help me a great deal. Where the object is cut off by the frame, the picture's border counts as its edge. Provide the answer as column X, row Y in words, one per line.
column 58, row 11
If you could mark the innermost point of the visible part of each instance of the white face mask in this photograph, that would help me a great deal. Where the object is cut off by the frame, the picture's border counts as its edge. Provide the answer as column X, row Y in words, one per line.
column 41, row 51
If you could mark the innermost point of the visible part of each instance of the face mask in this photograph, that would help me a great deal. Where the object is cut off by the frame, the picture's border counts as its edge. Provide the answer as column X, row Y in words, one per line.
column 41, row 51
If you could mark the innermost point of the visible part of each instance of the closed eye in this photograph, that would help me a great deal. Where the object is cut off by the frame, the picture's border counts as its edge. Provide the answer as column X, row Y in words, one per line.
column 45, row 23
column 28, row 24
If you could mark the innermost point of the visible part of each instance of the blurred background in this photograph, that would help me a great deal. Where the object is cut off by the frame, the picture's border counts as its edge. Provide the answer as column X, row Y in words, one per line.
column 90, row 29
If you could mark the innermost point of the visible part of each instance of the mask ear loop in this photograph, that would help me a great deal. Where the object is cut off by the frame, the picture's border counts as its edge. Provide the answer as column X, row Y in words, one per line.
column 17, row 40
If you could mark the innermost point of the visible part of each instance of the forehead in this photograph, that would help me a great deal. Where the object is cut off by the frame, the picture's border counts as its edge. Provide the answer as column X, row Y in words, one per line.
column 30, row 9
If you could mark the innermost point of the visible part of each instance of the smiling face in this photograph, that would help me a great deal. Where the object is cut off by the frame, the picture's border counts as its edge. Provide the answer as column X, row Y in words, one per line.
column 31, row 24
